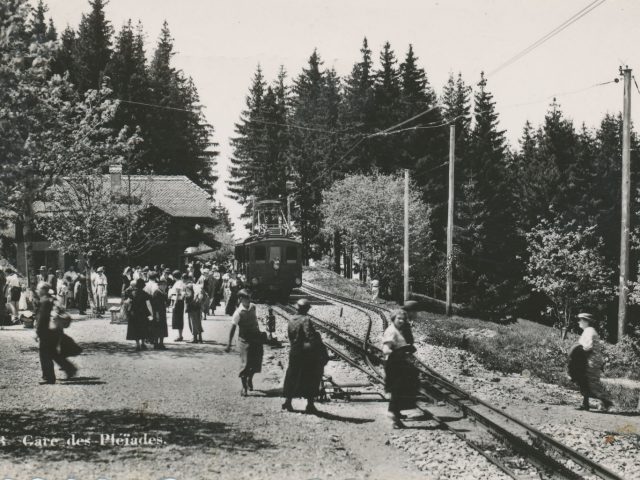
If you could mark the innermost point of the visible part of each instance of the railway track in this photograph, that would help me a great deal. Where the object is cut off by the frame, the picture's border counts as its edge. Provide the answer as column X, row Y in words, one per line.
column 502, row 438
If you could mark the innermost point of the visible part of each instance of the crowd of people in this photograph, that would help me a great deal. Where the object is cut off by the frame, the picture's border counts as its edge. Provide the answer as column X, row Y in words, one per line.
column 200, row 290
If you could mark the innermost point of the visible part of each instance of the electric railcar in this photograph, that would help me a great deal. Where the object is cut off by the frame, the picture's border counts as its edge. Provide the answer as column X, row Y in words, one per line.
column 270, row 259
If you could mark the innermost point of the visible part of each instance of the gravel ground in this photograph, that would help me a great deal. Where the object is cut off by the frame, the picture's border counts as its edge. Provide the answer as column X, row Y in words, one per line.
column 187, row 396
column 610, row 439
column 440, row 454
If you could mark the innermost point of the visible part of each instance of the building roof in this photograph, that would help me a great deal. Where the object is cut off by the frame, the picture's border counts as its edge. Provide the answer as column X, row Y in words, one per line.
column 175, row 195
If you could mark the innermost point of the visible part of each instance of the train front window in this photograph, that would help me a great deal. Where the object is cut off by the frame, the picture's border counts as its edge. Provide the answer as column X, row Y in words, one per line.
column 260, row 254
column 274, row 253
column 292, row 254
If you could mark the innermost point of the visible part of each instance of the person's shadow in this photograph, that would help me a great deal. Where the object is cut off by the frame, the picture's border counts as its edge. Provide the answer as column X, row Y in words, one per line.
column 330, row 416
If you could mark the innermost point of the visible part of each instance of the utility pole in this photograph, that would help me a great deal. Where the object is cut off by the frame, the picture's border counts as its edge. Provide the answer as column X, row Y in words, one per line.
column 452, row 156
column 406, row 234
column 626, row 203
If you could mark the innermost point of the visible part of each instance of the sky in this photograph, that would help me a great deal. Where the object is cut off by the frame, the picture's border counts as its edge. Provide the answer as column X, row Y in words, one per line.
column 220, row 43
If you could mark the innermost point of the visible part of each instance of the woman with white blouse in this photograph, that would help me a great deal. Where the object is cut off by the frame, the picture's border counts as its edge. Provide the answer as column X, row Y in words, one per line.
column 590, row 342
column 401, row 375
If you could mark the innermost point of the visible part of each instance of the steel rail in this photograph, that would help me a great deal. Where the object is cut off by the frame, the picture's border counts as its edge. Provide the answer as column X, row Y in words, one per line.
column 455, row 391
column 342, row 335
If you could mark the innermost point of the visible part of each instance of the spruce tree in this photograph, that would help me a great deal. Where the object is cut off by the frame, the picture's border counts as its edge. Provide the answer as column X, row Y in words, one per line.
column 387, row 96
column 38, row 25
column 312, row 155
column 179, row 139
column 93, row 48
column 64, row 58
column 491, row 265
column 358, row 110
column 128, row 77
column 246, row 145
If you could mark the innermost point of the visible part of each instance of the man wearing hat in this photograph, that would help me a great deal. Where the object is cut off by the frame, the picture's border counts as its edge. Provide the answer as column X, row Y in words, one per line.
column 590, row 343
column 41, row 277
column 411, row 307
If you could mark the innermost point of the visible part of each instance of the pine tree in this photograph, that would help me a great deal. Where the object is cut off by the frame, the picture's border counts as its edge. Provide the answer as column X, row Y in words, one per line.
column 246, row 145
column 52, row 33
column 426, row 146
column 93, row 48
column 358, row 110
column 387, row 95
column 179, row 139
column 63, row 62
column 128, row 77
column 311, row 153
column 38, row 25
column 491, row 264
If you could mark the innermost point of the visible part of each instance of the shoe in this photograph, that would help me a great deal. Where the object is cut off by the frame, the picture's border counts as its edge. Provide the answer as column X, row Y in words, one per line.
column 71, row 373
column 243, row 392
column 397, row 424
column 583, row 407
column 143, row 347
column 47, row 382
column 606, row 405
column 250, row 384
column 179, row 339
column 162, row 347
column 287, row 406
column 195, row 340
column 311, row 410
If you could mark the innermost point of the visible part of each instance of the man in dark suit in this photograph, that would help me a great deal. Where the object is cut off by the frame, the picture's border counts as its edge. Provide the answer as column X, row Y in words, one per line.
column 49, row 339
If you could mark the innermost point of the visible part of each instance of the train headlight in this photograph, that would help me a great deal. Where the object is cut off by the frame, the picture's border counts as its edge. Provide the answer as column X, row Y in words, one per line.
column 298, row 282
column 255, row 281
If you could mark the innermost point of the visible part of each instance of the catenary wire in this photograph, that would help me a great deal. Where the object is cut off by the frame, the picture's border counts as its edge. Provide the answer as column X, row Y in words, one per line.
column 564, row 25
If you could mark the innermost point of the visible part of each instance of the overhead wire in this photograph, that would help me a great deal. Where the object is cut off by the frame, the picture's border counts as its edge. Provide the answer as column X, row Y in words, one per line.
column 390, row 131
column 563, row 26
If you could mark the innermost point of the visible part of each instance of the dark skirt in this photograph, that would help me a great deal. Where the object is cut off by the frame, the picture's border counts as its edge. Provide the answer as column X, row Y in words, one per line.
column 137, row 327
column 304, row 375
column 401, row 380
column 159, row 328
column 177, row 317
column 232, row 304
column 250, row 357
column 15, row 293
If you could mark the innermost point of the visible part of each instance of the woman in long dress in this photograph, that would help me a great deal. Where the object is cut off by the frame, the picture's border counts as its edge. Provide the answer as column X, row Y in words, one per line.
column 250, row 340
column 193, row 308
column 590, row 342
column 139, row 315
column 401, row 375
column 159, row 325
column 307, row 358
column 177, row 316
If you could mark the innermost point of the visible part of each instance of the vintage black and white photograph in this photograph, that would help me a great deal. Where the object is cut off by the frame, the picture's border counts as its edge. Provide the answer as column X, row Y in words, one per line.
column 319, row 239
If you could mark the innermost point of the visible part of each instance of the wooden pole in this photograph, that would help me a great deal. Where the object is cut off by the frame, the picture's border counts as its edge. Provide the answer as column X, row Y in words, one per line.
column 625, row 221
column 406, row 235
column 452, row 148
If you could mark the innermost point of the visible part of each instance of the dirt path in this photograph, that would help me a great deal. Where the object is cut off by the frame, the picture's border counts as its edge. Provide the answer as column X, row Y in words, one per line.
column 186, row 401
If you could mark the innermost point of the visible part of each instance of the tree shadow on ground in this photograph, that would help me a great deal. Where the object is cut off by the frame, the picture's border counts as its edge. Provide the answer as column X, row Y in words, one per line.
column 180, row 436
column 121, row 348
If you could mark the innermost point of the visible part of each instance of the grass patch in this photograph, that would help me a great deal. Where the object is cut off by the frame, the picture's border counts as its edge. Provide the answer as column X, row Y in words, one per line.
column 526, row 347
